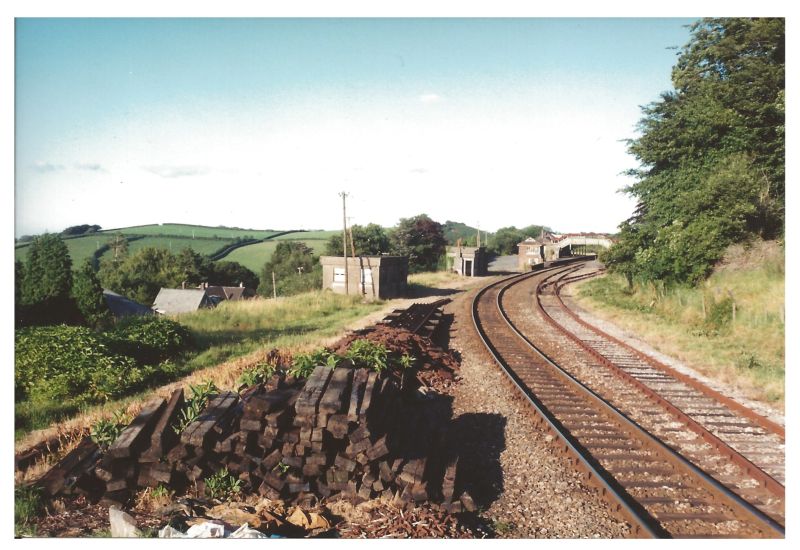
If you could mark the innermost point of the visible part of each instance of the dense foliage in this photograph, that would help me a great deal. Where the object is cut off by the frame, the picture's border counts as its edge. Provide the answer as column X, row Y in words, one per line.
column 295, row 267
column 88, row 296
column 140, row 275
column 44, row 284
column 80, row 230
column 369, row 240
column 64, row 363
column 421, row 239
column 711, row 154
column 506, row 239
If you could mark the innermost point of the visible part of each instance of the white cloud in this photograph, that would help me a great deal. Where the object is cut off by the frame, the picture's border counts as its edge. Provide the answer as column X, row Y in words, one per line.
column 430, row 98
column 47, row 167
column 167, row 171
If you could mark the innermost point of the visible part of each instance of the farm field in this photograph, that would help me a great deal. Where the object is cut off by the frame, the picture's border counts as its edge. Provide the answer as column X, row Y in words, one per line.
column 308, row 235
column 254, row 256
column 181, row 230
column 176, row 244
column 79, row 248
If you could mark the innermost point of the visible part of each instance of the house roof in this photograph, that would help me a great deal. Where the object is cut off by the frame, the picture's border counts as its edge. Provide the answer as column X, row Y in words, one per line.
column 179, row 300
column 120, row 306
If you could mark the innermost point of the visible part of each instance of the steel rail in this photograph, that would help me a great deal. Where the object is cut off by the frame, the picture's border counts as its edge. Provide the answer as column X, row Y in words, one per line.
column 640, row 518
column 766, row 480
column 641, row 521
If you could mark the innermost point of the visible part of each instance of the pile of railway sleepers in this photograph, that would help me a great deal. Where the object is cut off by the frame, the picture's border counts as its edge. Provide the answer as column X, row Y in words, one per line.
column 355, row 433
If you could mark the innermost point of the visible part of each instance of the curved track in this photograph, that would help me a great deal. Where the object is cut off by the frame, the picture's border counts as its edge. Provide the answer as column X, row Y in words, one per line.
column 648, row 484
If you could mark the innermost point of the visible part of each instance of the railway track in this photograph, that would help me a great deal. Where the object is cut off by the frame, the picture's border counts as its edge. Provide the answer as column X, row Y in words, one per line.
column 657, row 490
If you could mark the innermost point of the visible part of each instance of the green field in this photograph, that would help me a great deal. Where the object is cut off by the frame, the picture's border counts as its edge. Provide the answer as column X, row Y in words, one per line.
column 175, row 237
column 201, row 231
column 79, row 249
column 308, row 235
column 254, row 256
column 176, row 244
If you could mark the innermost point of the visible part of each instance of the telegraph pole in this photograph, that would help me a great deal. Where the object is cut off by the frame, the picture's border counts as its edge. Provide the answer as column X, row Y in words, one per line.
column 344, row 243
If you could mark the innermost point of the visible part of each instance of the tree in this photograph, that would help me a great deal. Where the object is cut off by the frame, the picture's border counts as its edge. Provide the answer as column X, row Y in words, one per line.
column 46, row 281
column 421, row 239
column 369, row 240
column 296, row 270
column 81, row 229
column 227, row 273
column 141, row 275
column 88, row 296
column 711, row 154
column 48, row 270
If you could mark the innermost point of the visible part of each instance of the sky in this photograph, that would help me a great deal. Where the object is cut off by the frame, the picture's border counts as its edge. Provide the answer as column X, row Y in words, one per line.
column 260, row 123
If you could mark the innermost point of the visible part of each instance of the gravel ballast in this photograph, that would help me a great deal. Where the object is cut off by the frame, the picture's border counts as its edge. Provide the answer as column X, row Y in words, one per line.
column 516, row 476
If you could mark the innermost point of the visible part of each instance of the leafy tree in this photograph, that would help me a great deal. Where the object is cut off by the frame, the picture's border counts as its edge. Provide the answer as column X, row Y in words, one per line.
column 19, row 273
column 80, row 230
column 369, row 240
column 296, row 270
column 48, row 270
column 88, row 296
column 711, row 154
column 228, row 273
column 46, row 281
column 506, row 239
column 421, row 239
column 141, row 275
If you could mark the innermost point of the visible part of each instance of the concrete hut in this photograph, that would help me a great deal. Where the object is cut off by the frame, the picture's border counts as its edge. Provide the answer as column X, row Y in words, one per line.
column 468, row 261
column 374, row 277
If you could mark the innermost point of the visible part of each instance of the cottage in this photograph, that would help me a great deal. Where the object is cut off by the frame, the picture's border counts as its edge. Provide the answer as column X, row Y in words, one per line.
column 533, row 252
column 233, row 293
column 120, row 306
column 468, row 261
column 374, row 277
column 171, row 301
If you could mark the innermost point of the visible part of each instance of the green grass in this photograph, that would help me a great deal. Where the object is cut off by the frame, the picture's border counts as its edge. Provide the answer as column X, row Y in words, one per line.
column 28, row 505
column 747, row 352
column 200, row 231
column 176, row 244
column 308, row 235
column 79, row 248
column 254, row 256
column 225, row 333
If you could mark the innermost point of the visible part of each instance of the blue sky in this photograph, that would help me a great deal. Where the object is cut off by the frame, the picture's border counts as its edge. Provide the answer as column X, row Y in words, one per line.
column 261, row 122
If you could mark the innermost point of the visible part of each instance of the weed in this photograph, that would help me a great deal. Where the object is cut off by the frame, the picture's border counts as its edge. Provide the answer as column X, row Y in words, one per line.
column 256, row 375
column 28, row 504
column 502, row 527
column 106, row 430
column 304, row 364
column 194, row 405
column 407, row 361
column 367, row 354
column 222, row 485
column 282, row 467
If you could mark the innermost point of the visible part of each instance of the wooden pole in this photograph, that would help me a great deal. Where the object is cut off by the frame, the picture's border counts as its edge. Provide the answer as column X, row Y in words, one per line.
column 274, row 288
column 344, row 243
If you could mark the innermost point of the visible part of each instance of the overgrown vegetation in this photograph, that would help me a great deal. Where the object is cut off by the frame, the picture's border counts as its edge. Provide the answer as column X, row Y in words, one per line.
column 296, row 270
column 197, row 401
column 28, row 505
column 730, row 327
column 59, row 369
column 711, row 154
column 106, row 430
column 222, row 485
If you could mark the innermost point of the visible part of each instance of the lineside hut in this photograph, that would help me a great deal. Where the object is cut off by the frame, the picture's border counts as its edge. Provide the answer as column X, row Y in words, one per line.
column 374, row 277
column 468, row 261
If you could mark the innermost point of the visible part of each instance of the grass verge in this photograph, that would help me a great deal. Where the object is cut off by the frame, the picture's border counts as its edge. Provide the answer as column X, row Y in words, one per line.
column 731, row 328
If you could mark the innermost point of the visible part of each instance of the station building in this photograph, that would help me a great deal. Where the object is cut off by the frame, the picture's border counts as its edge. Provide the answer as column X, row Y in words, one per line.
column 374, row 277
column 468, row 261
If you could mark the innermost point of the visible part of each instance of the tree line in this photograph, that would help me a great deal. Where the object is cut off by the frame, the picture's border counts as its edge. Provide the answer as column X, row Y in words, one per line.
column 711, row 154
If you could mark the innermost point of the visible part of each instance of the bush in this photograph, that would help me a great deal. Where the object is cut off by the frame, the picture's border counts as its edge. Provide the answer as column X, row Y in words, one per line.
column 150, row 340
column 63, row 362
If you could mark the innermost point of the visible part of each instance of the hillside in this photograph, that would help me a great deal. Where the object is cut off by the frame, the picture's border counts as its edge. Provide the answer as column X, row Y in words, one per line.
column 457, row 230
